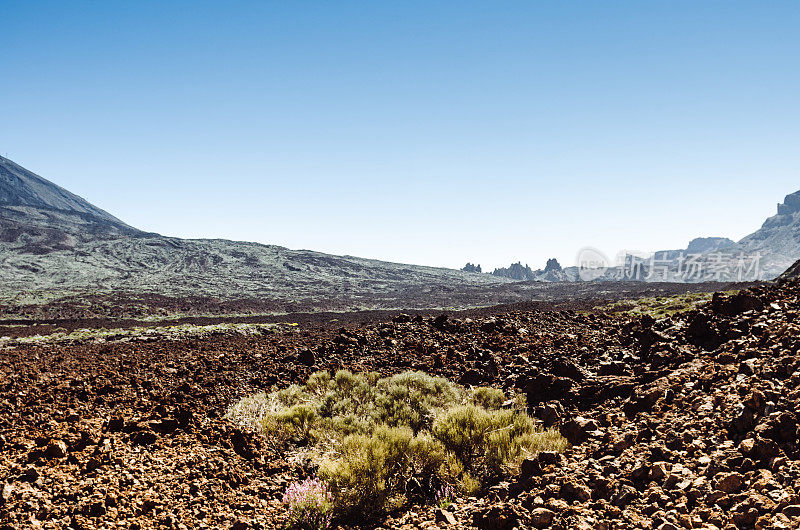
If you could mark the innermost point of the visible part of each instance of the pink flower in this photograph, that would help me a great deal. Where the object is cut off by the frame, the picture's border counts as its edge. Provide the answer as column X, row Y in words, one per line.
column 309, row 503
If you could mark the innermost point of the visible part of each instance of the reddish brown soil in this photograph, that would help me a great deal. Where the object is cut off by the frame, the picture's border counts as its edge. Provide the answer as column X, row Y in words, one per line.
column 125, row 311
column 95, row 310
column 686, row 422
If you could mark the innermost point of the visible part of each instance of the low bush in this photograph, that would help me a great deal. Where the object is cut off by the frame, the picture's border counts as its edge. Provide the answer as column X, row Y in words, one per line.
column 383, row 442
column 487, row 397
column 491, row 443
column 373, row 469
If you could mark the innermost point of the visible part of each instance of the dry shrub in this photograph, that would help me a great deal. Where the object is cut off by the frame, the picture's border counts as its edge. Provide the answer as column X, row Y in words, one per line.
column 383, row 442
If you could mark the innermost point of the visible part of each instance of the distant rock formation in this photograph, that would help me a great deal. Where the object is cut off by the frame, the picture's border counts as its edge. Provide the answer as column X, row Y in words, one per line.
column 777, row 242
column 708, row 244
column 553, row 272
column 553, row 266
column 765, row 254
column 791, row 204
column 516, row 272
column 469, row 267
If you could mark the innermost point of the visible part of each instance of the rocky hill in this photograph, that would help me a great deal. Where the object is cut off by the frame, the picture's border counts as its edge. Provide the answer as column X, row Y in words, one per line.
column 24, row 189
column 54, row 243
column 778, row 239
column 37, row 217
column 762, row 255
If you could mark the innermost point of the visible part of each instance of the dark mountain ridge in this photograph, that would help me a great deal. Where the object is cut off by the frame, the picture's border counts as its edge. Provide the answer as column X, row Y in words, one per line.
column 24, row 189
column 39, row 217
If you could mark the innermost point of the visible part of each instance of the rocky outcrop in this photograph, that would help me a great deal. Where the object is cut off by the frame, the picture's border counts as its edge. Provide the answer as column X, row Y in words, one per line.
column 790, row 205
column 777, row 242
column 791, row 273
column 469, row 267
column 552, row 266
column 553, row 272
column 516, row 271
column 701, row 245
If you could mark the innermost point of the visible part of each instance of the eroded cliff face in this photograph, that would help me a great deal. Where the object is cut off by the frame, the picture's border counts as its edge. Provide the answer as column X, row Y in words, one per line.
column 778, row 239
column 790, row 205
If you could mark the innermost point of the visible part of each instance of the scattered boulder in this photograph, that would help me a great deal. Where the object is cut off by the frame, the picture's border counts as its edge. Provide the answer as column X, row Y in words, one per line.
column 306, row 357
column 446, row 517
column 56, row 449
column 729, row 482
column 578, row 430
column 541, row 517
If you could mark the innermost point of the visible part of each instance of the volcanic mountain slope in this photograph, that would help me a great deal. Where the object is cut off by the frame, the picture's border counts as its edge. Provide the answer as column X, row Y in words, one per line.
column 690, row 421
column 38, row 217
column 54, row 242
column 778, row 240
column 232, row 270
column 764, row 254
column 21, row 188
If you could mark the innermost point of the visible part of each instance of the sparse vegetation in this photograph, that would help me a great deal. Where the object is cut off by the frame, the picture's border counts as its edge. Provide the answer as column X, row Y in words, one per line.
column 445, row 496
column 660, row 306
column 309, row 505
column 382, row 442
column 174, row 332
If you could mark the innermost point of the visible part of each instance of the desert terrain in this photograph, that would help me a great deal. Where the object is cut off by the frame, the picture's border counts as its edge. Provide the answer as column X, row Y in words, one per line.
column 681, row 421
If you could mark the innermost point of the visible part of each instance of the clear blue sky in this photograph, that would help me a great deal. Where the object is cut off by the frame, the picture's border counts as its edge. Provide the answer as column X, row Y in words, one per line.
column 424, row 132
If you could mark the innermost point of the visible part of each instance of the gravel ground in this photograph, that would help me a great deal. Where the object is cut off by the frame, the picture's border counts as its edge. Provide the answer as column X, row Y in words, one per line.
column 685, row 422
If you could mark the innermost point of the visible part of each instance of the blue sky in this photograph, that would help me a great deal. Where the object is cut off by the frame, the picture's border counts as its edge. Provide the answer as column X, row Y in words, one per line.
column 423, row 132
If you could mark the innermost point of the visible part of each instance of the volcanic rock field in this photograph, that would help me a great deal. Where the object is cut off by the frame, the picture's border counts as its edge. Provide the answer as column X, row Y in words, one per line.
column 688, row 421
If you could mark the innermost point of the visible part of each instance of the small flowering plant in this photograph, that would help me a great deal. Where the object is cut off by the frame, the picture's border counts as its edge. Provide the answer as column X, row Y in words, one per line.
column 310, row 504
column 445, row 496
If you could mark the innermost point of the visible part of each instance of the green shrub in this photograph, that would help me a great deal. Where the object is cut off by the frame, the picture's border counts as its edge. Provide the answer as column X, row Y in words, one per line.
column 298, row 417
column 487, row 397
column 318, row 382
column 251, row 411
column 383, row 442
column 492, row 443
column 361, row 475
column 289, row 396
column 462, row 430
column 411, row 399
column 373, row 469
